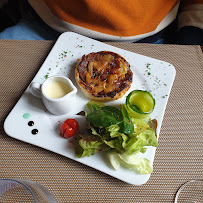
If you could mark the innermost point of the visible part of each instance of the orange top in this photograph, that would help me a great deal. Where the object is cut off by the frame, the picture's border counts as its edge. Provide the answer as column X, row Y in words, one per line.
column 114, row 17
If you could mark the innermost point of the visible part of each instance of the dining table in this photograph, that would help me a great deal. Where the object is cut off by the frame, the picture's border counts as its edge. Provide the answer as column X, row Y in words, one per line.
column 178, row 157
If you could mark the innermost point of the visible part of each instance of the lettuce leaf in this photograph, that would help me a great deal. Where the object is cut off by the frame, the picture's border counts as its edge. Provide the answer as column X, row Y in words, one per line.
column 138, row 142
column 120, row 142
column 126, row 126
column 114, row 160
column 89, row 145
column 105, row 116
column 94, row 106
column 125, row 137
column 139, row 125
column 133, row 162
column 130, row 161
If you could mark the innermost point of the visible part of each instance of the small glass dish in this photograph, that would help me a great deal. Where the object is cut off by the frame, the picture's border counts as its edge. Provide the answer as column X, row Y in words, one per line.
column 191, row 191
column 20, row 190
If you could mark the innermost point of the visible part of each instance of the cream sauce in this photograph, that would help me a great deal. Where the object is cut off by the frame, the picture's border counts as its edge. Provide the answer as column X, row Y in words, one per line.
column 57, row 89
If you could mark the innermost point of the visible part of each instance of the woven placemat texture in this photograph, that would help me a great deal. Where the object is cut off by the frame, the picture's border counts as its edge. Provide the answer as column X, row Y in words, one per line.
column 178, row 158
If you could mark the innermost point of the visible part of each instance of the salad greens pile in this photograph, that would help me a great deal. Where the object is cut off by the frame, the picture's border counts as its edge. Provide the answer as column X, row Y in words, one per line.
column 124, row 138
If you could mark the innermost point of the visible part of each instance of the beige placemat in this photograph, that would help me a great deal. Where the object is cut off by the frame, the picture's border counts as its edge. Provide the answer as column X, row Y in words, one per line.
column 178, row 157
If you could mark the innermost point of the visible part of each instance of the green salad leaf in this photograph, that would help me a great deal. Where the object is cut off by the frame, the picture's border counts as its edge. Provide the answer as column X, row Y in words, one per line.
column 146, row 138
column 140, row 125
column 126, row 126
column 94, row 106
column 110, row 128
column 130, row 161
column 133, row 162
column 89, row 145
column 105, row 116
column 114, row 160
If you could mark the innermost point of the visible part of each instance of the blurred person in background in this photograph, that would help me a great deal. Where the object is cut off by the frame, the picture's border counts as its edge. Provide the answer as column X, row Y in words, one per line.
column 146, row 21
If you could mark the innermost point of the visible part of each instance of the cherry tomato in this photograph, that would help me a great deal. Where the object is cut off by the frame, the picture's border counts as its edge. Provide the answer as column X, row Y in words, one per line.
column 69, row 128
column 72, row 123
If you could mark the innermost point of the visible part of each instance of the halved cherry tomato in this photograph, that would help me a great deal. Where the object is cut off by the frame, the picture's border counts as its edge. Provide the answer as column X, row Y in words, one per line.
column 69, row 128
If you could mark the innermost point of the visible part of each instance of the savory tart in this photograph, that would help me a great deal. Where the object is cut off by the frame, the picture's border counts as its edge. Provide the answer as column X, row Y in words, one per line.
column 103, row 75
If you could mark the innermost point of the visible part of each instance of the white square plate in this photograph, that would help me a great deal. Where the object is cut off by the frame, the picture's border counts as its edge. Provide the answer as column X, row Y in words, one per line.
column 148, row 74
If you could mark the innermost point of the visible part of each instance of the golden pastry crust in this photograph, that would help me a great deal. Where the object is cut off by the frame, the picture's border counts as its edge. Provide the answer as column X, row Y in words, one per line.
column 103, row 76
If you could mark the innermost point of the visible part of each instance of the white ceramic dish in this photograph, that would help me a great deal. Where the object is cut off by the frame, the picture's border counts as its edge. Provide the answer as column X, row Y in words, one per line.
column 149, row 74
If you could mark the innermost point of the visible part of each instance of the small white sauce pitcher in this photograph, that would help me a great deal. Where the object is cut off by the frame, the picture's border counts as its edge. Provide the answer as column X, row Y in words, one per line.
column 57, row 106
